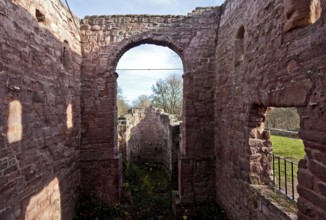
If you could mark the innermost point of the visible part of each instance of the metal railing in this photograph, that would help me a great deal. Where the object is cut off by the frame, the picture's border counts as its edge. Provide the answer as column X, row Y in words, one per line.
column 285, row 176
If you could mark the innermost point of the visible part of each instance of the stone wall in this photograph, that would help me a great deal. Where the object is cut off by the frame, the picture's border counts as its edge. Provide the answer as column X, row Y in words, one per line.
column 39, row 110
column 282, row 65
column 105, row 39
column 150, row 135
column 283, row 133
column 239, row 59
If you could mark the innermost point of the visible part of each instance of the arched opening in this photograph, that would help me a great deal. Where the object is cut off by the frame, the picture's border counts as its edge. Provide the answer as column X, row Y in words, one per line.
column 99, row 116
column 141, row 67
column 149, row 106
column 240, row 45
column 66, row 55
column 39, row 15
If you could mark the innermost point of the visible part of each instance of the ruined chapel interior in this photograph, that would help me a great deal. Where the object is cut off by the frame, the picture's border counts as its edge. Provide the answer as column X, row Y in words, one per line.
column 58, row 114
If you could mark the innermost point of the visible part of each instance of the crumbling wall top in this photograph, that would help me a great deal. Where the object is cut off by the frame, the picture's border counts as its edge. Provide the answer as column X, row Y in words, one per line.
column 54, row 16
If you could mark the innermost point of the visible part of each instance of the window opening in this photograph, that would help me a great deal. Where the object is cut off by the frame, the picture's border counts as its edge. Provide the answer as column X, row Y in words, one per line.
column 39, row 16
column 240, row 46
column 283, row 125
column 66, row 56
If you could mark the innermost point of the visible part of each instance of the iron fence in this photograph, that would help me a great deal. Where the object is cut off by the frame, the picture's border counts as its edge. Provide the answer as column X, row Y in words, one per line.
column 285, row 176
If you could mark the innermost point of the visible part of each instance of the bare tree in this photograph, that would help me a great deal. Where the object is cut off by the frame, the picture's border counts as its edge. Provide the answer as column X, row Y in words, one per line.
column 143, row 101
column 167, row 94
column 283, row 118
column 122, row 104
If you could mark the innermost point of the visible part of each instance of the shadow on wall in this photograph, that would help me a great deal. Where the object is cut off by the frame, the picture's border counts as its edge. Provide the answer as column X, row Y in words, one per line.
column 37, row 193
column 40, row 136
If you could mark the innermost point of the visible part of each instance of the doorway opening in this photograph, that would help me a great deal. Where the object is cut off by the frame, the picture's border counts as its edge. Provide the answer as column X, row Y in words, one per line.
column 149, row 110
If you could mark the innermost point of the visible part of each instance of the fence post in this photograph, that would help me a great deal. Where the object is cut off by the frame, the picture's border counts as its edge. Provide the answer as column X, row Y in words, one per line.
column 279, row 172
column 292, row 180
column 285, row 190
column 273, row 170
column 285, row 178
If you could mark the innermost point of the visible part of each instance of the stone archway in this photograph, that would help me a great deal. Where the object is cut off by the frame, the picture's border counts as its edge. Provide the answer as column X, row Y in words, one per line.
column 105, row 40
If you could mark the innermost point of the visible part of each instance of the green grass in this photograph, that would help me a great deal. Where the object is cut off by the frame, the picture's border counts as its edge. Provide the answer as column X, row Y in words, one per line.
column 146, row 195
column 290, row 148
column 149, row 191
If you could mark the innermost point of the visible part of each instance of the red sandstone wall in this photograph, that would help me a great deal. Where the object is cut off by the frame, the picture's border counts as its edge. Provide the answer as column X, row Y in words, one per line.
column 280, row 68
column 38, row 149
column 105, row 39
column 283, row 65
column 149, row 136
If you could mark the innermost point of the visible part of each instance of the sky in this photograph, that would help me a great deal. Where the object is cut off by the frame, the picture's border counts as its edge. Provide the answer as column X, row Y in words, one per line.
column 136, row 83
column 81, row 8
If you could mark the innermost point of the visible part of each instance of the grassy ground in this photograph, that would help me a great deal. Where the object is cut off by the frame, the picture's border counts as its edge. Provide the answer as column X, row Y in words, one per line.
column 289, row 148
column 292, row 150
column 146, row 196
column 148, row 190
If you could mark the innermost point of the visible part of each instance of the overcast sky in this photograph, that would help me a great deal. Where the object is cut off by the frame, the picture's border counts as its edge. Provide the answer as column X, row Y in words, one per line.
column 135, row 83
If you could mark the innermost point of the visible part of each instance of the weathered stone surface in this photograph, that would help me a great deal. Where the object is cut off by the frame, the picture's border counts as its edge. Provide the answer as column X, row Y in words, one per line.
column 148, row 134
column 39, row 173
column 279, row 69
column 301, row 13
column 193, row 38
column 238, row 60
